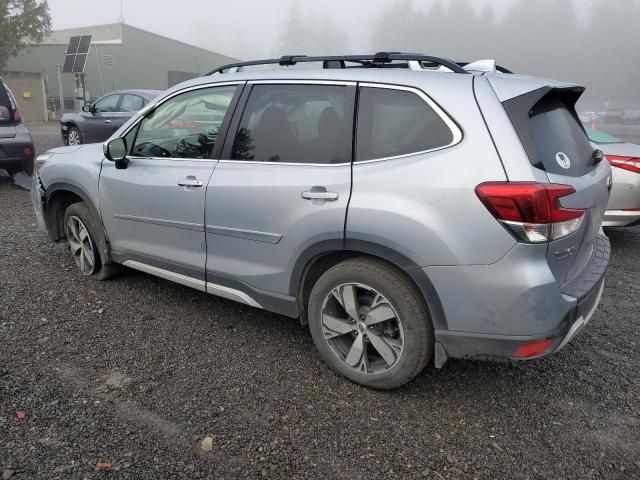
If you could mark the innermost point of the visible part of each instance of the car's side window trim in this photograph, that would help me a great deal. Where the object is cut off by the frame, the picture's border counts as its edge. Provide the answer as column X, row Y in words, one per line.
column 240, row 109
column 455, row 129
column 215, row 154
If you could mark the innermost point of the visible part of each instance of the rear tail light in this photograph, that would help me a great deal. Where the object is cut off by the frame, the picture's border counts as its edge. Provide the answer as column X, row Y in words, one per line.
column 28, row 152
column 531, row 212
column 533, row 349
column 16, row 116
column 628, row 163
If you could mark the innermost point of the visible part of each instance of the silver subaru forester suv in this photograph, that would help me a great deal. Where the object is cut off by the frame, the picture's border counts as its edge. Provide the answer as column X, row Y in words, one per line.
column 408, row 208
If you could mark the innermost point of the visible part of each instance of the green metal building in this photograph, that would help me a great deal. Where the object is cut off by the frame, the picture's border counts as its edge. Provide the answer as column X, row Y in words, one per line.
column 120, row 57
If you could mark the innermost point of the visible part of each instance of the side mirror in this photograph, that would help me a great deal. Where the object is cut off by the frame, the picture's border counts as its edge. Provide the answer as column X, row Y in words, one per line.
column 116, row 151
column 5, row 115
column 87, row 108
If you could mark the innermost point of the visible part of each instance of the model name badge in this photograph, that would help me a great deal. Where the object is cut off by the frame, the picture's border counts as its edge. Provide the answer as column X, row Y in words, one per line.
column 567, row 252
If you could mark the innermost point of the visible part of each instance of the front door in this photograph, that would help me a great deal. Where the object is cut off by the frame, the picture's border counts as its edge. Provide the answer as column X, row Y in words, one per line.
column 153, row 211
column 282, row 187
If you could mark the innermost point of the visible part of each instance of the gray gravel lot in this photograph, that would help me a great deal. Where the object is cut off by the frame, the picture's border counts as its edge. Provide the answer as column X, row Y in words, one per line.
column 136, row 371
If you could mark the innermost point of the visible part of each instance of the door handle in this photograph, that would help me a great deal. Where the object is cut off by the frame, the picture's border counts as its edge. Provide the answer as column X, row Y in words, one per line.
column 108, row 122
column 190, row 181
column 320, row 193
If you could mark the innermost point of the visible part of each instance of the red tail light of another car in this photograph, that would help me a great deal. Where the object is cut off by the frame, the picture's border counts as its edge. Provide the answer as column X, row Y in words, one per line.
column 631, row 164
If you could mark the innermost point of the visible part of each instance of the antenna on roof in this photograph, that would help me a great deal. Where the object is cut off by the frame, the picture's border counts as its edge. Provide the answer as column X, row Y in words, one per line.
column 121, row 19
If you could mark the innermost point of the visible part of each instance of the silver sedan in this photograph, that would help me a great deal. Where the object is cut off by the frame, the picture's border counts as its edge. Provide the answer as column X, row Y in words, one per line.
column 624, row 205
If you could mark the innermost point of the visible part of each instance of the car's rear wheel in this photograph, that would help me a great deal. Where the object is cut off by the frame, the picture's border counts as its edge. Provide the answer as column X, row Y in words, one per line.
column 370, row 324
column 74, row 137
column 83, row 239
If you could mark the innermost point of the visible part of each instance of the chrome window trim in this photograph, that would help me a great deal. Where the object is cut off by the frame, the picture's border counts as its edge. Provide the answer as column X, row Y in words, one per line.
column 298, row 164
column 186, row 159
column 151, row 106
column 453, row 126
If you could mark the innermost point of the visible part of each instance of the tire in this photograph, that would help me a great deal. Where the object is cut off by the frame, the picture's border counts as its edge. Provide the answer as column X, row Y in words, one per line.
column 85, row 249
column 74, row 137
column 380, row 292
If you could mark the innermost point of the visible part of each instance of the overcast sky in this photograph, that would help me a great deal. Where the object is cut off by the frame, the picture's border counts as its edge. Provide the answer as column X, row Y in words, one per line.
column 235, row 28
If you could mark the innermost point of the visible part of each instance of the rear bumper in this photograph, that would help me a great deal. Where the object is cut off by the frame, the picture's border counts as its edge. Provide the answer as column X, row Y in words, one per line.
column 621, row 218
column 581, row 297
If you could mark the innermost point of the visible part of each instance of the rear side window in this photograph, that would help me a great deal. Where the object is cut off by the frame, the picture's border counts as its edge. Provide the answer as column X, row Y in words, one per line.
column 562, row 144
column 394, row 122
column 296, row 124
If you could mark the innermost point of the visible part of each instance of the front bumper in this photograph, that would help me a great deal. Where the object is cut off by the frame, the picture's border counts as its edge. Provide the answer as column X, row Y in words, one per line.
column 582, row 294
column 38, row 199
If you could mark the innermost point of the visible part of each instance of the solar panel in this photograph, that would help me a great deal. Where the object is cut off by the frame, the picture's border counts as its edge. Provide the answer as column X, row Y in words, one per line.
column 76, row 57
column 78, row 66
column 85, row 44
column 74, row 43
column 69, row 60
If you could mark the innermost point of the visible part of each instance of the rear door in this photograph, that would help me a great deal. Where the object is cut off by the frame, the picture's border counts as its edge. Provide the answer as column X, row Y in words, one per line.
column 557, row 143
column 282, row 185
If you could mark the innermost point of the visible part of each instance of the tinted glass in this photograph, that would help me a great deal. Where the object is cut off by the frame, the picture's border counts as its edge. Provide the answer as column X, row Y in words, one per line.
column 397, row 122
column 186, row 126
column 557, row 132
column 5, row 116
column 296, row 124
column 107, row 104
column 131, row 103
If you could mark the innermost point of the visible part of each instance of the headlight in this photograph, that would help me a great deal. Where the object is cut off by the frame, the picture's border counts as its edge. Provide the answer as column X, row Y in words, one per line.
column 40, row 161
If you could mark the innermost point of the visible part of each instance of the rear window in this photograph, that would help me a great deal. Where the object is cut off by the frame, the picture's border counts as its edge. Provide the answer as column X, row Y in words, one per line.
column 561, row 142
column 394, row 122
column 550, row 131
column 5, row 101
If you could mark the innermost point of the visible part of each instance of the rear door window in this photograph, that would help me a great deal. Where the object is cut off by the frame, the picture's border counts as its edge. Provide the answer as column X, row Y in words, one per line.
column 395, row 122
column 131, row 103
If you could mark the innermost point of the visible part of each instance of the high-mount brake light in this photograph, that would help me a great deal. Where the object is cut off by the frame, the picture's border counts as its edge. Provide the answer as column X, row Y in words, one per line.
column 530, row 211
column 631, row 164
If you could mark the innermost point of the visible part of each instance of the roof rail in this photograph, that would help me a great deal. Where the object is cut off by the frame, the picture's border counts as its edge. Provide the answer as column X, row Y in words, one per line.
column 380, row 59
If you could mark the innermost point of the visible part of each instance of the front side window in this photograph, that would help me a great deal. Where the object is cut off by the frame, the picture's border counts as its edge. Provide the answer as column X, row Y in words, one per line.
column 107, row 104
column 131, row 103
column 185, row 126
column 397, row 122
column 296, row 124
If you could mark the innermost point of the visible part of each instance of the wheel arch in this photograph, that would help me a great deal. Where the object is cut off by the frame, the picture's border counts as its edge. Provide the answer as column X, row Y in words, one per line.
column 58, row 197
column 320, row 257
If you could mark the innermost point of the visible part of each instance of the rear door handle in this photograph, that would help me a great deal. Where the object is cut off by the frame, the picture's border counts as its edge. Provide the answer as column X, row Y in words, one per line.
column 190, row 181
column 320, row 193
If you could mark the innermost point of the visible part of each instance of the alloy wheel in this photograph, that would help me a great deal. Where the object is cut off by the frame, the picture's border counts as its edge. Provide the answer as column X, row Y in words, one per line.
column 81, row 245
column 73, row 137
column 362, row 328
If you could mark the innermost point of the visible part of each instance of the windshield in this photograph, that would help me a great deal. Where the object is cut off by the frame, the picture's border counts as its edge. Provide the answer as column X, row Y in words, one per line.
column 596, row 136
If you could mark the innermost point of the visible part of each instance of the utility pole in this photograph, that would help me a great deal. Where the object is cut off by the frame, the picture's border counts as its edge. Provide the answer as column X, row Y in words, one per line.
column 60, row 91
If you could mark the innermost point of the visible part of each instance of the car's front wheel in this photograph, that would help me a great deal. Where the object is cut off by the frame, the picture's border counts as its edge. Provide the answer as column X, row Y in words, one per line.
column 82, row 233
column 370, row 324
column 74, row 137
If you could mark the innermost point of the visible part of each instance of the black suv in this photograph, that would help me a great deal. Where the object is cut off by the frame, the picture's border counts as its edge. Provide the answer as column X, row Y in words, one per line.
column 16, row 145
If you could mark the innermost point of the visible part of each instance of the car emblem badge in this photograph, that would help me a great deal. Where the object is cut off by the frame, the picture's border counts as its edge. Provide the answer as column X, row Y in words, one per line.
column 563, row 160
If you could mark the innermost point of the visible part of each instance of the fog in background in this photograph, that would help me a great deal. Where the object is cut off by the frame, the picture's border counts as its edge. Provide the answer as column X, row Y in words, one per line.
column 593, row 42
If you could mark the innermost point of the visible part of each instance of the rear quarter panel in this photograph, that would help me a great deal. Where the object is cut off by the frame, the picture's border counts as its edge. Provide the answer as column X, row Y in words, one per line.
column 424, row 206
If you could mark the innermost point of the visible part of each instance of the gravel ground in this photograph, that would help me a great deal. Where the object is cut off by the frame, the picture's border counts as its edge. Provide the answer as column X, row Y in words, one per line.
column 136, row 372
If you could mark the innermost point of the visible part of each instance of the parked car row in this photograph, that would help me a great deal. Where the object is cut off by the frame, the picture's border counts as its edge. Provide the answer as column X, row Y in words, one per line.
column 612, row 115
column 408, row 215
